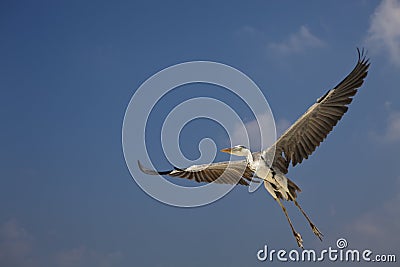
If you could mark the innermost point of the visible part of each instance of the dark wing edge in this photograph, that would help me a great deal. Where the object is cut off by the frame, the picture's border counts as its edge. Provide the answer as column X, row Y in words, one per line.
column 226, row 172
column 306, row 134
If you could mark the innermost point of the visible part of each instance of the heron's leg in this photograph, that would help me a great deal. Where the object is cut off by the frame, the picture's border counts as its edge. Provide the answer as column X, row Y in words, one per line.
column 296, row 234
column 313, row 227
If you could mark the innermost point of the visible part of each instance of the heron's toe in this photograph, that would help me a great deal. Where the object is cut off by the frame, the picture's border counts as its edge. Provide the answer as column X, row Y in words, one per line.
column 299, row 239
column 317, row 232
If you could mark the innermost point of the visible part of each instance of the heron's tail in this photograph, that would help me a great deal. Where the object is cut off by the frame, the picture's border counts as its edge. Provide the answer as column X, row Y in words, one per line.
column 293, row 189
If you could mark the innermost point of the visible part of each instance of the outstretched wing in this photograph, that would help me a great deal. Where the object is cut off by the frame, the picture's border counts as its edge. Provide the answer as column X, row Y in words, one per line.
column 306, row 134
column 235, row 172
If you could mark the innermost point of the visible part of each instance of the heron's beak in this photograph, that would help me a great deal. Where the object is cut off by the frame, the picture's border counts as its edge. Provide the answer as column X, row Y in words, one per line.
column 227, row 150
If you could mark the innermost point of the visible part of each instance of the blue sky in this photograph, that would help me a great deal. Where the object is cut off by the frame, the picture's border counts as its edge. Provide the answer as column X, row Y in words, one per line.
column 69, row 68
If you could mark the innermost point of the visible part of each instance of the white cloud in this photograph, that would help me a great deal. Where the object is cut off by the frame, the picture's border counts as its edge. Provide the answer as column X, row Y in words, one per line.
column 18, row 247
column 248, row 30
column 384, row 31
column 393, row 128
column 15, row 245
column 297, row 42
column 281, row 126
column 82, row 256
column 379, row 226
column 240, row 135
column 249, row 134
column 391, row 131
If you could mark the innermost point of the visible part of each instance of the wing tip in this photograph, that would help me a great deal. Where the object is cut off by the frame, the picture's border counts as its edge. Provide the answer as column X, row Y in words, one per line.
column 151, row 172
column 362, row 56
column 142, row 168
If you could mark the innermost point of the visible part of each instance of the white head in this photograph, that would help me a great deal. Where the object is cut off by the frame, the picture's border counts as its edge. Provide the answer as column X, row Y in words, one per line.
column 237, row 151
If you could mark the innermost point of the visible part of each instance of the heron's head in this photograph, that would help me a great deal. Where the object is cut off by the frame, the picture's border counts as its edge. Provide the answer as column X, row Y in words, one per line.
column 237, row 150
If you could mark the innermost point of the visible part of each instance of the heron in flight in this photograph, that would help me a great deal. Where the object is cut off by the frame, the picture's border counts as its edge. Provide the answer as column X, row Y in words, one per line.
column 296, row 144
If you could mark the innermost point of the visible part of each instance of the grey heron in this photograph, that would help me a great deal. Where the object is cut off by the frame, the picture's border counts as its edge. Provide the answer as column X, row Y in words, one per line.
column 296, row 144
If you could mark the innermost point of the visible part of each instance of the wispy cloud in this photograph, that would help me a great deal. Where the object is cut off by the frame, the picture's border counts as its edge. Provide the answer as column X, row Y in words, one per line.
column 393, row 127
column 248, row 30
column 391, row 132
column 249, row 133
column 15, row 245
column 281, row 126
column 379, row 226
column 297, row 42
column 384, row 31
column 82, row 256
column 18, row 247
column 251, row 130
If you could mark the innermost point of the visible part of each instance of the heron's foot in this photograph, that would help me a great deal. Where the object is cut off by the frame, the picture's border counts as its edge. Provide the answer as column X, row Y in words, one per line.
column 298, row 239
column 316, row 231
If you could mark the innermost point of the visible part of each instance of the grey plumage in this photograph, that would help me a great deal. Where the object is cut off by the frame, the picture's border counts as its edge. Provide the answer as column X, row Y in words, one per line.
column 306, row 134
column 226, row 172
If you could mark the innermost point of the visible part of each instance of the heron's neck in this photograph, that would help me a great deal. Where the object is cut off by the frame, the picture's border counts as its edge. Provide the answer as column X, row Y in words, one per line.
column 249, row 157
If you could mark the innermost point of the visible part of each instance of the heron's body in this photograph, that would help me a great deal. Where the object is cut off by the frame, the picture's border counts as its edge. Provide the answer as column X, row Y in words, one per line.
column 296, row 144
column 275, row 182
